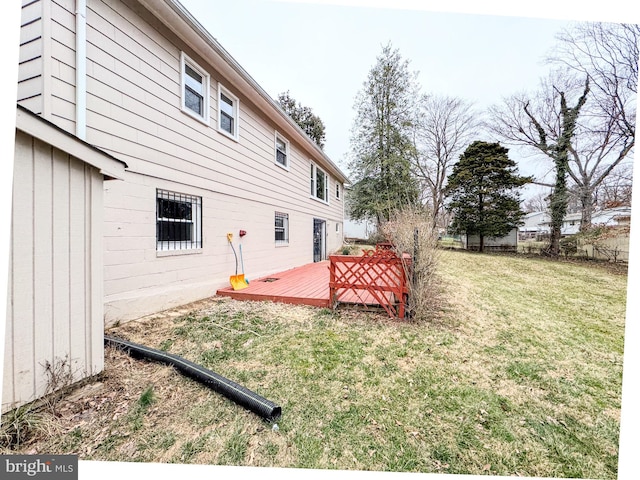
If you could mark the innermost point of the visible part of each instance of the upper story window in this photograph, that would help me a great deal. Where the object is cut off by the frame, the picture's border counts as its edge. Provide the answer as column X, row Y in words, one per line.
column 228, row 108
column 319, row 184
column 282, row 151
column 337, row 191
column 195, row 89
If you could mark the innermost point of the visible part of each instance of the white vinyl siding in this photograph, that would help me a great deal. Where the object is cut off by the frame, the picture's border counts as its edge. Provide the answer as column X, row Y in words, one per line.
column 30, row 67
column 134, row 112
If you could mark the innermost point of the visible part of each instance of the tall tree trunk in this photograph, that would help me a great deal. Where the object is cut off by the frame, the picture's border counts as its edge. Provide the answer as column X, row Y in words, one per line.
column 558, row 203
column 586, row 203
column 560, row 155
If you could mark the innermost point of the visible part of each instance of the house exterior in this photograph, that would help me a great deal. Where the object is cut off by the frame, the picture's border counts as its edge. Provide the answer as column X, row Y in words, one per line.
column 535, row 225
column 540, row 222
column 612, row 217
column 55, row 285
column 208, row 151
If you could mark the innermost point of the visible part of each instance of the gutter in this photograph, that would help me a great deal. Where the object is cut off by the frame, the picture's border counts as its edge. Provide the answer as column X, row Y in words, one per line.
column 230, row 68
column 81, row 69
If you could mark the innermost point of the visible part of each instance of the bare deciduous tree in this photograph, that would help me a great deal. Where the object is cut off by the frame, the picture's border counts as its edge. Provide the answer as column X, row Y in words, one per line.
column 604, row 136
column 537, row 203
column 444, row 128
column 544, row 121
column 616, row 189
column 608, row 54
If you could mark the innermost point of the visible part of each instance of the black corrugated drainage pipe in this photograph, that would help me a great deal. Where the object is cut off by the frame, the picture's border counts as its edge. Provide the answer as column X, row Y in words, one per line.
column 239, row 394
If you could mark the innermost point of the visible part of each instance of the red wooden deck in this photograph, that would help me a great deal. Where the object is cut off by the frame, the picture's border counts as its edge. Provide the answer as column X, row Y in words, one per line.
column 305, row 285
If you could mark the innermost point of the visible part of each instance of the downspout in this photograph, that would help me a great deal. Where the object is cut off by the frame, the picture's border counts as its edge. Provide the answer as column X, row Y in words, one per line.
column 81, row 69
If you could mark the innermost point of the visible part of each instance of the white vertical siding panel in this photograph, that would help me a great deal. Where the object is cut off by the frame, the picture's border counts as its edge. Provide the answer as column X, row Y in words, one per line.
column 61, row 294
column 55, row 294
column 43, row 258
column 8, row 387
column 77, row 265
column 95, row 269
column 22, row 272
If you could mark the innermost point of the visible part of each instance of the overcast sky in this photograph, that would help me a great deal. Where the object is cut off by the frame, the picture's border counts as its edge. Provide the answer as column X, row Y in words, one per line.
column 322, row 53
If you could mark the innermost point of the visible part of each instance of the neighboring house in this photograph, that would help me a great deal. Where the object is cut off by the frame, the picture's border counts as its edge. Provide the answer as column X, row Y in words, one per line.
column 610, row 217
column 535, row 225
column 55, row 285
column 508, row 242
column 208, row 151
column 356, row 230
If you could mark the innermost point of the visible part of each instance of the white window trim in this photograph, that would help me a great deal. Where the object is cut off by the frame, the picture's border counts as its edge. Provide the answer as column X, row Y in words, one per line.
column 185, row 60
column 285, row 216
column 326, row 186
column 275, row 151
column 236, row 113
column 338, row 191
column 173, row 247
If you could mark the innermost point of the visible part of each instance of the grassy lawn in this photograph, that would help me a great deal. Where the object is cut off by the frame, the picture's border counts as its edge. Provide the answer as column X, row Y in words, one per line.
column 519, row 373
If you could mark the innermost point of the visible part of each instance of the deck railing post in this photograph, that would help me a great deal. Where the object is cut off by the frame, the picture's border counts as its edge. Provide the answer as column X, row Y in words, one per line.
column 332, row 282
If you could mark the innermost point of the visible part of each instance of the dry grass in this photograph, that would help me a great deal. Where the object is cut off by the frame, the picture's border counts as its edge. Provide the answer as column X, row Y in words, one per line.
column 519, row 375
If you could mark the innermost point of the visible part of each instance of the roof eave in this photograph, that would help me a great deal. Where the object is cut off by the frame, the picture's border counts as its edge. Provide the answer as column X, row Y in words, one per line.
column 36, row 126
column 178, row 19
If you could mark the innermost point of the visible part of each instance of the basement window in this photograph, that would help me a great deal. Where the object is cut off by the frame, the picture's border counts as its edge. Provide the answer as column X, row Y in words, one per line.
column 282, row 228
column 178, row 221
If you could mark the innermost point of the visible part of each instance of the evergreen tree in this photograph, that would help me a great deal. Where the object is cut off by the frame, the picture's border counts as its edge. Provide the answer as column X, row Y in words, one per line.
column 483, row 192
column 381, row 143
column 309, row 122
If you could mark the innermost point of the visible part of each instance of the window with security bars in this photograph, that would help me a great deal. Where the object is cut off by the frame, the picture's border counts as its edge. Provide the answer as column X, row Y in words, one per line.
column 282, row 228
column 178, row 221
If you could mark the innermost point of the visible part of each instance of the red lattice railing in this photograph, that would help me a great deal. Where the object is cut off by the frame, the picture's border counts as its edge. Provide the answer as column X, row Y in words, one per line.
column 378, row 277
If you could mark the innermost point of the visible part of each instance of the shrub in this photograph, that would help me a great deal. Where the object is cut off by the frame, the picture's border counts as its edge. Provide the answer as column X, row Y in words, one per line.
column 569, row 245
column 411, row 231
